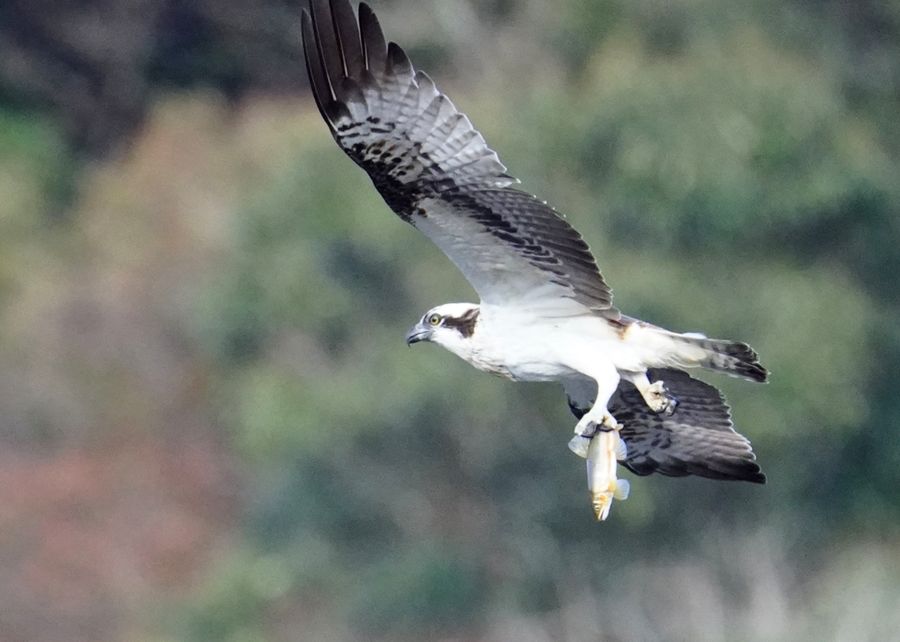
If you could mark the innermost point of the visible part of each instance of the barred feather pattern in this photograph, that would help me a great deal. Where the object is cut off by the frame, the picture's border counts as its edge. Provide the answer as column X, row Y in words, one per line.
column 436, row 171
column 697, row 439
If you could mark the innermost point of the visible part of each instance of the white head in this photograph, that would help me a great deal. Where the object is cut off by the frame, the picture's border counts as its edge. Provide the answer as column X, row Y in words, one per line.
column 450, row 325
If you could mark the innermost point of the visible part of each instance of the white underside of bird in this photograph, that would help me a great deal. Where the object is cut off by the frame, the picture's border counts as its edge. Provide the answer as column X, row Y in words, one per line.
column 582, row 352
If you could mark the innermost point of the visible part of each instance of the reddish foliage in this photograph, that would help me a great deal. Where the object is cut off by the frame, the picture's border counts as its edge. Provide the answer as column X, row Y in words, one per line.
column 87, row 535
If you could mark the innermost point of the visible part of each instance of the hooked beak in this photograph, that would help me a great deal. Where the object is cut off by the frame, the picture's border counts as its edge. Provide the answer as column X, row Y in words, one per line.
column 418, row 333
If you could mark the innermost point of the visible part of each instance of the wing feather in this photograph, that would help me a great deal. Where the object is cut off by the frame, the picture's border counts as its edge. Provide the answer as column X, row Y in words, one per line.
column 697, row 439
column 348, row 40
column 435, row 170
column 318, row 79
column 374, row 46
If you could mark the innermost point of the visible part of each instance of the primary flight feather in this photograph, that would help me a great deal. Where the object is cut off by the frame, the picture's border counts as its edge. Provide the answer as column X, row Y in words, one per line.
column 546, row 313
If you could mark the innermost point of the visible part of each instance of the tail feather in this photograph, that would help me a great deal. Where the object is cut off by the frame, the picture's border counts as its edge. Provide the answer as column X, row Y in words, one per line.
column 731, row 357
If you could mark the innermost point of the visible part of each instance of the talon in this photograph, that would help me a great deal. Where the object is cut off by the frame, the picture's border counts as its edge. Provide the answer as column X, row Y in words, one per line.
column 673, row 404
column 588, row 425
column 585, row 428
column 658, row 398
column 609, row 423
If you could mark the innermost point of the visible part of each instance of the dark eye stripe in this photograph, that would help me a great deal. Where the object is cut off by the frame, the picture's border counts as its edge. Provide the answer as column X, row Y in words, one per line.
column 465, row 324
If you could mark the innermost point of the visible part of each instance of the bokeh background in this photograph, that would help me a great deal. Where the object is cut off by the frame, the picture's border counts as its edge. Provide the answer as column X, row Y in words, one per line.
column 210, row 428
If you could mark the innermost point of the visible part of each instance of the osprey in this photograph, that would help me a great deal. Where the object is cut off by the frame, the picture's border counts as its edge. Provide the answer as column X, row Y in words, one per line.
column 546, row 314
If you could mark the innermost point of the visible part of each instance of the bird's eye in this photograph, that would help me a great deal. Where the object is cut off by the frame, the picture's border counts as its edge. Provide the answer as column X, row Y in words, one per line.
column 434, row 319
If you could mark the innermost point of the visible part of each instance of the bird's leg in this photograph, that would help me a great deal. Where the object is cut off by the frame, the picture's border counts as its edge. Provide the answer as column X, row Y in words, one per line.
column 581, row 445
column 592, row 421
column 656, row 395
column 599, row 417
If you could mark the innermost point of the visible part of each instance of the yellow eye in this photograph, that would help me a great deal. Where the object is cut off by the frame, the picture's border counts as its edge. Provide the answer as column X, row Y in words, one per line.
column 434, row 319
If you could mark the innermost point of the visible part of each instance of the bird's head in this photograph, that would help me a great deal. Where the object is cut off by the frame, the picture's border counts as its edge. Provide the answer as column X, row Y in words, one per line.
column 450, row 325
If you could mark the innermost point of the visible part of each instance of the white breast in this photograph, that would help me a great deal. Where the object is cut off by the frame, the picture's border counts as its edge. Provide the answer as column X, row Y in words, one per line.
column 526, row 347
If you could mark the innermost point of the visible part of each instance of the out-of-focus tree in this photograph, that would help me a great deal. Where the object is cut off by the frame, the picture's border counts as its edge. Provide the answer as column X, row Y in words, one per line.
column 230, row 293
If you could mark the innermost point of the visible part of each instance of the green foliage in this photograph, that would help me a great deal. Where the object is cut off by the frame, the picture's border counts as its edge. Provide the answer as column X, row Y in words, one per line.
column 719, row 175
column 420, row 591
column 733, row 177
column 36, row 171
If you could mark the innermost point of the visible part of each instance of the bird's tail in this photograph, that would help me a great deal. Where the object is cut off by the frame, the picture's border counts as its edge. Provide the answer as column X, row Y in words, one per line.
column 730, row 357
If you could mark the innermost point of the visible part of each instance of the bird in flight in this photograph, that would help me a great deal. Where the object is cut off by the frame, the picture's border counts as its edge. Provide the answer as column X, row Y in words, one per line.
column 546, row 313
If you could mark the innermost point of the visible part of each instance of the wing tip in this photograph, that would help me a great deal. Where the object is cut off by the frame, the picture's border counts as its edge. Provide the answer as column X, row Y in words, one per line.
column 397, row 59
column 372, row 37
column 644, row 467
column 347, row 32
column 319, row 82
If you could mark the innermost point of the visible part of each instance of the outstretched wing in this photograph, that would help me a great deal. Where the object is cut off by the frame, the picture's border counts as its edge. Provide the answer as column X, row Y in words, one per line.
column 697, row 439
column 437, row 173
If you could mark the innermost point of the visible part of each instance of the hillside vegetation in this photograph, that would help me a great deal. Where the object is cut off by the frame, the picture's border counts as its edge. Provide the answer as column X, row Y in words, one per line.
column 212, row 429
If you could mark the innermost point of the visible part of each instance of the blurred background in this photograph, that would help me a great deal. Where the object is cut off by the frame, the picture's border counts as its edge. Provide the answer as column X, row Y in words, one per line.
column 212, row 430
